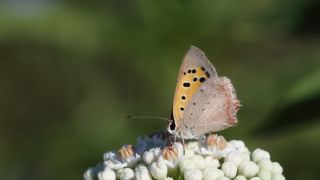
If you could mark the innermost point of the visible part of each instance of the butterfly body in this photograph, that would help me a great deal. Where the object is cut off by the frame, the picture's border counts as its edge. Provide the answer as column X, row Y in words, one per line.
column 203, row 102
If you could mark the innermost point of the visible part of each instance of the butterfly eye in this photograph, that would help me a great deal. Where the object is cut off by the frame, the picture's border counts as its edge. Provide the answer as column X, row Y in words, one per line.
column 172, row 126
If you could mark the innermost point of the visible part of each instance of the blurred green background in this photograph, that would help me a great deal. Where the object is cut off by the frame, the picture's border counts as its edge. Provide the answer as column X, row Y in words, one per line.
column 71, row 71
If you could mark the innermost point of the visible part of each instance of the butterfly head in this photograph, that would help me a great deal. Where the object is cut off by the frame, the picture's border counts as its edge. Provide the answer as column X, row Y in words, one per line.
column 172, row 127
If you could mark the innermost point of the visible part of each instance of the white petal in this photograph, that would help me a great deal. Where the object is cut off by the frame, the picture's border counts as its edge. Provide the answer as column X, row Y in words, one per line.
column 248, row 169
column 278, row 177
column 158, row 170
column 193, row 174
column 259, row 154
column 212, row 173
column 229, row 169
column 125, row 174
column 90, row 174
column 240, row 177
column 187, row 163
column 276, row 168
column 142, row 173
column 265, row 164
column 264, row 174
column 107, row 174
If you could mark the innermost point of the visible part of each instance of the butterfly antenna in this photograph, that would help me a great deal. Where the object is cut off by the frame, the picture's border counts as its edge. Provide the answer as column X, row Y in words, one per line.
column 147, row 117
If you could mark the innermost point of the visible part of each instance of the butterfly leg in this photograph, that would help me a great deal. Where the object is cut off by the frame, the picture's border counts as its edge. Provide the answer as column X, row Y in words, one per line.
column 202, row 142
column 184, row 151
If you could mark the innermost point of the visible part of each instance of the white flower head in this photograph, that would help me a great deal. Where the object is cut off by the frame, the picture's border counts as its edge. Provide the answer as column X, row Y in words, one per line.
column 215, row 159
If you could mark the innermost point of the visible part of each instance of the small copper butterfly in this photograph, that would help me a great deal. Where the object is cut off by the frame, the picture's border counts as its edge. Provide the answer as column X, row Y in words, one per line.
column 203, row 101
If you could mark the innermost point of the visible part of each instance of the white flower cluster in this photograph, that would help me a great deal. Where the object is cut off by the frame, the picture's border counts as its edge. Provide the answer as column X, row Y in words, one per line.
column 215, row 159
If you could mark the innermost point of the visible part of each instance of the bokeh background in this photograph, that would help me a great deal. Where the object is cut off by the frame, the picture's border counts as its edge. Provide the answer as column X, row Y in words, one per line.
column 71, row 71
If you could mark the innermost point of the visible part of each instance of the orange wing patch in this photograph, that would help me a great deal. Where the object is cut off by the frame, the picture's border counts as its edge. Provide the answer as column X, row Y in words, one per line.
column 187, row 85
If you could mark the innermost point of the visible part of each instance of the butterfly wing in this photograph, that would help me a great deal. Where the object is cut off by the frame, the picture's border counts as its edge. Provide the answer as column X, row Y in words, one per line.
column 212, row 108
column 194, row 70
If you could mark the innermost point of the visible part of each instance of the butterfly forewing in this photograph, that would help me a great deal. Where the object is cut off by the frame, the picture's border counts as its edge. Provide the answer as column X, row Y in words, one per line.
column 194, row 70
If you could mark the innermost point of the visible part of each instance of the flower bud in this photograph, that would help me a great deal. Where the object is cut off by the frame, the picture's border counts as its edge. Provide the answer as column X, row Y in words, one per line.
column 234, row 157
column 255, row 178
column 107, row 174
column 240, row 177
column 212, row 173
column 229, row 169
column 264, row 174
column 276, row 168
column 278, row 177
column 158, row 170
column 125, row 174
column 248, row 169
column 259, row 154
column 90, row 174
column 193, row 174
column 265, row 164
column 142, row 173
column 211, row 162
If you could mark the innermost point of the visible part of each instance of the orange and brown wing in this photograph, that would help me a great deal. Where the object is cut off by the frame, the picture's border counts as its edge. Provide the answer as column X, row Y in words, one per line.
column 194, row 70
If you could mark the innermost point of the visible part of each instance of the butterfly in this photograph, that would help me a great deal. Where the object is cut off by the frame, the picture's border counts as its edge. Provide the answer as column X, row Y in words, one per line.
column 203, row 102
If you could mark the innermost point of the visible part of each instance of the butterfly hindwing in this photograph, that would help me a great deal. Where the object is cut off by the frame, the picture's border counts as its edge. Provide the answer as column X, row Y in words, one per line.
column 212, row 108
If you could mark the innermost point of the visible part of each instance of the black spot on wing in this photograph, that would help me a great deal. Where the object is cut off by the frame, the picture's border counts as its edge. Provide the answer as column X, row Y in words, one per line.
column 202, row 68
column 186, row 84
column 182, row 109
column 183, row 97
column 195, row 79
column 194, row 71
column 202, row 79
column 207, row 74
